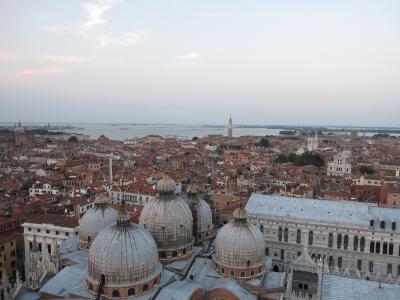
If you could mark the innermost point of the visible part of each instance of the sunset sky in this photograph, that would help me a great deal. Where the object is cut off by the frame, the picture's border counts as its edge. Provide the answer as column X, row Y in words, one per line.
column 263, row 62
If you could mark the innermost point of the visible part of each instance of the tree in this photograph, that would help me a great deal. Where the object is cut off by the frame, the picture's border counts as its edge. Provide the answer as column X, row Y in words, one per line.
column 366, row 170
column 73, row 139
column 263, row 143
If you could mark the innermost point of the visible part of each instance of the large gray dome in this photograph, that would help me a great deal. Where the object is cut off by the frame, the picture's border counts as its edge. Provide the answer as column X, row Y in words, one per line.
column 169, row 220
column 240, row 248
column 95, row 219
column 202, row 216
column 125, row 256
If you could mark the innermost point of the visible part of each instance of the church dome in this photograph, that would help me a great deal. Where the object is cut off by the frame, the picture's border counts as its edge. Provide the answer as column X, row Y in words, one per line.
column 169, row 219
column 202, row 216
column 123, row 260
column 240, row 248
column 95, row 219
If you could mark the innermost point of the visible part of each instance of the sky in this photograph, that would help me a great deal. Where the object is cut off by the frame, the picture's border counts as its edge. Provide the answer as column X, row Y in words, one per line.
column 179, row 61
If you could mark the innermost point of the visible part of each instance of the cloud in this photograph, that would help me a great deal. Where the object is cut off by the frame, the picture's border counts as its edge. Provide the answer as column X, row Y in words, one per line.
column 190, row 56
column 96, row 12
column 6, row 56
column 67, row 59
column 126, row 39
column 183, row 60
column 26, row 73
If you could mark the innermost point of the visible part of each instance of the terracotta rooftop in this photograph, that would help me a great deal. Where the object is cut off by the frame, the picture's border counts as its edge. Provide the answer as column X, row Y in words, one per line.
column 54, row 219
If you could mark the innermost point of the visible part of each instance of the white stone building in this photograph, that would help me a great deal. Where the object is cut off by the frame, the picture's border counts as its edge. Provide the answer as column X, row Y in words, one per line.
column 312, row 143
column 351, row 238
column 339, row 166
column 45, row 189
column 49, row 231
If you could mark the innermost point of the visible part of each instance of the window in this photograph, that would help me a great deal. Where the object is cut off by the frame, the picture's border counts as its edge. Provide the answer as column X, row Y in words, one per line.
column 339, row 262
column 280, row 234
column 346, row 242
column 298, row 238
column 48, row 231
column 330, row 240
column 145, row 287
column 282, row 254
column 378, row 247
column 384, row 248
column 371, row 267
column 232, row 273
column 131, row 292
column 359, row 264
column 48, row 248
column 371, row 223
column 355, row 243
column 372, row 247
column 286, row 235
column 362, row 244
column 382, row 224
column 390, row 249
column 398, row 270
column 40, row 247
column 223, row 270
column 67, row 234
column 115, row 293
column 339, row 241
column 267, row 251
column 57, row 233
column 241, row 274
column 252, row 273
column 310, row 237
column 330, row 261
column 261, row 228
column 389, row 269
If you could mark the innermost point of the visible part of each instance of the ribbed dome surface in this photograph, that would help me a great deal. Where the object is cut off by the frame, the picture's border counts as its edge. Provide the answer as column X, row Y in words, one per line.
column 94, row 220
column 240, row 244
column 126, row 255
column 166, row 184
column 202, row 215
column 170, row 222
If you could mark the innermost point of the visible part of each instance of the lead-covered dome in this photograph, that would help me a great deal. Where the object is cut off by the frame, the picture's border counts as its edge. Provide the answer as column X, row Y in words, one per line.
column 240, row 248
column 123, row 260
column 169, row 220
column 95, row 219
column 202, row 216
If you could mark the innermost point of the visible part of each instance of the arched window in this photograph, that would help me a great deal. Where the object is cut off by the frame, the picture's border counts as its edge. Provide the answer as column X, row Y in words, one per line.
column 339, row 241
column 145, row 287
column 330, row 240
column 372, row 247
column 378, row 247
column 115, row 293
column 370, row 267
column 232, row 273
column 390, row 249
column 355, row 243
column 286, row 235
column 280, row 234
column 310, row 237
column 339, row 262
column 371, row 223
column 393, row 226
column 282, row 254
column 131, row 292
column 384, row 248
column 346, row 242
column 252, row 273
column 330, row 261
column 298, row 238
column 248, row 263
column 222, row 270
column 362, row 244
column 382, row 224
column 241, row 274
